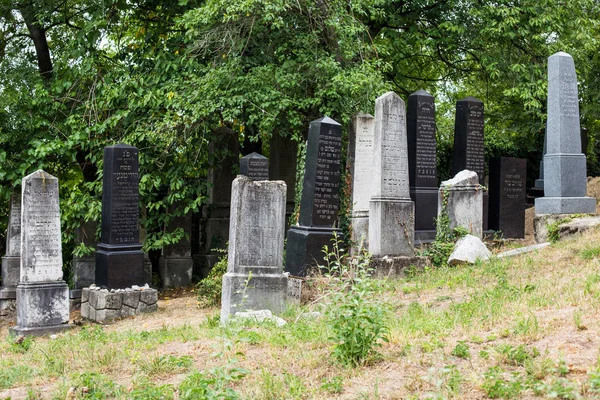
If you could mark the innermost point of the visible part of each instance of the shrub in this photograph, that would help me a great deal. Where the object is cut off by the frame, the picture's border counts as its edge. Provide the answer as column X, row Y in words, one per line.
column 209, row 289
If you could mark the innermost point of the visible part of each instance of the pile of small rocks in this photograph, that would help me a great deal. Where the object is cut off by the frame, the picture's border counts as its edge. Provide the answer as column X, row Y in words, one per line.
column 103, row 305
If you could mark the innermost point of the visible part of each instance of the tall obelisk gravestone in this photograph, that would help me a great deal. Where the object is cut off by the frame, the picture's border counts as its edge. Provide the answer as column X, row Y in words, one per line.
column 320, row 200
column 120, row 259
column 469, row 145
column 254, row 278
column 422, row 163
column 42, row 294
column 11, row 262
column 361, row 152
column 565, row 182
column 391, row 211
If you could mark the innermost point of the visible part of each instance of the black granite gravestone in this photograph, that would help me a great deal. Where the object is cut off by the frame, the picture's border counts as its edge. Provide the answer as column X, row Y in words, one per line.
column 468, row 144
column 319, row 204
column 282, row 167
column 255, row 166
column 120, row 259
column 422, row 163
column 508, row 196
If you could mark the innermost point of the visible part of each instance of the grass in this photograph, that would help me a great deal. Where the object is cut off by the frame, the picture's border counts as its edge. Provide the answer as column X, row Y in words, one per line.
column 519, row 327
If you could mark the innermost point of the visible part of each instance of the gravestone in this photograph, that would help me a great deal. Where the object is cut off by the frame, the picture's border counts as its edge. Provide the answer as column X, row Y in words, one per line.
column 255, row 166
column 320, row 200
column 84, row 267
column 391, row 211
column 254, row 278
column 461, row 200
column 11, row 262
column 42, row 294
column 565, row 181
column 282, row 159
column 175, row 265
column 120, row 259
column 468, row 150
column 360, row 163
column 539, row 183
column 508, row 196
column 214, row 222
column 422, row 163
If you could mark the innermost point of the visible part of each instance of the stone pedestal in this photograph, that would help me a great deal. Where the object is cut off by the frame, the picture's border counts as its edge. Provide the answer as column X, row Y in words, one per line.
column 43, row 308
column 42, row 295
column 462, row 199
column 391, row 211
column 176, row 265
column 319, row 205
column 396, row 267
column 11, row 262
column 254, row 278
column 422, row 163
column 104, row 307
column 120, row 259
column 360, row 166
column 564, row 164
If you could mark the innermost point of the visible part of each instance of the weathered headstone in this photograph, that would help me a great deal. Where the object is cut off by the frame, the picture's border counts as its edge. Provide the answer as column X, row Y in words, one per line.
column 255, row 166
column 422, row 163
column 461, row 200
column 254, row 278
column 360, row 157
column 176, row 264
column 42, row 294
column 391, row 211
column 282, row 159
column 84, row 267
column 565, row 181
column 468, row 150
column 320, row 200
column 214, row 223
column 11, row 262
column 508, row 196
column 120, row 259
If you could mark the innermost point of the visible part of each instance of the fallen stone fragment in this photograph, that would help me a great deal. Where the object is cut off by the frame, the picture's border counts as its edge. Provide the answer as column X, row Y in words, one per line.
column 468, row 250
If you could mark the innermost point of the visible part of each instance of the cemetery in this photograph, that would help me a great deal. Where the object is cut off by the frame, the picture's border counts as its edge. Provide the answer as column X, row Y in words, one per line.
column 299, row 201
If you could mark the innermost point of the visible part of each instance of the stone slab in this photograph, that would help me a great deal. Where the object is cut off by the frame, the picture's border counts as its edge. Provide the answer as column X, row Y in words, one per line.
column 523, row 250
column 11, row 271
column 39, row 330
column 507, row 196
column 305, row 248
column 41, row 304
column 464, row 204
column 468, row 152
column 391, row 227
column 468, row 250
column 426, row 203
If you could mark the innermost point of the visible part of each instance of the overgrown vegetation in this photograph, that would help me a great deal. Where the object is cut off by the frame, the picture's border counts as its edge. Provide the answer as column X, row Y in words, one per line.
column 209, row 289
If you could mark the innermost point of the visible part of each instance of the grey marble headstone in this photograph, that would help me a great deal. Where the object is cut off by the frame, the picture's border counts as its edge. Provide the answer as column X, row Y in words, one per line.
column 254, row 278
column 42, row 295
column 255, row 166
column 391, row 211
column 11, row 262
column 462, row 199
column 361, row 135
column 565, row 182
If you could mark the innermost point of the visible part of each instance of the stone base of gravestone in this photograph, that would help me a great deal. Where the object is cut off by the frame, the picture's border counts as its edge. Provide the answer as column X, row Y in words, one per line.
column 119, row 267
column 43, row 308
column 304, row 248
column 395, row 267
column 426, row 200
column 175, row 271
column 84, row 271
column 542, row 222
column 242, row 292
column 102, row 306
column 360, row 232
column 11, row 267
column 565, row 205
column 391, row 229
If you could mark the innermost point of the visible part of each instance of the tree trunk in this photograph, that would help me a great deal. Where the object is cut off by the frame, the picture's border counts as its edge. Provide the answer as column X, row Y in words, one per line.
column 38, row 35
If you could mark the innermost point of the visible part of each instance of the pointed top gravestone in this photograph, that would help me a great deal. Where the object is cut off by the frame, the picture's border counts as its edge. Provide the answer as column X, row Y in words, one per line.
column 255, row 166
column 565, row 182
column 390, row 149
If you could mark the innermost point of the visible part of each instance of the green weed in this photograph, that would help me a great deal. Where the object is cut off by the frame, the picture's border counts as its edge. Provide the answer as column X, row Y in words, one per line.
column 10, row 376
column 461, row 350
column 333, row 385
column 208, row 290
column 165, row 365
column 213, row 384
column 496, row 387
